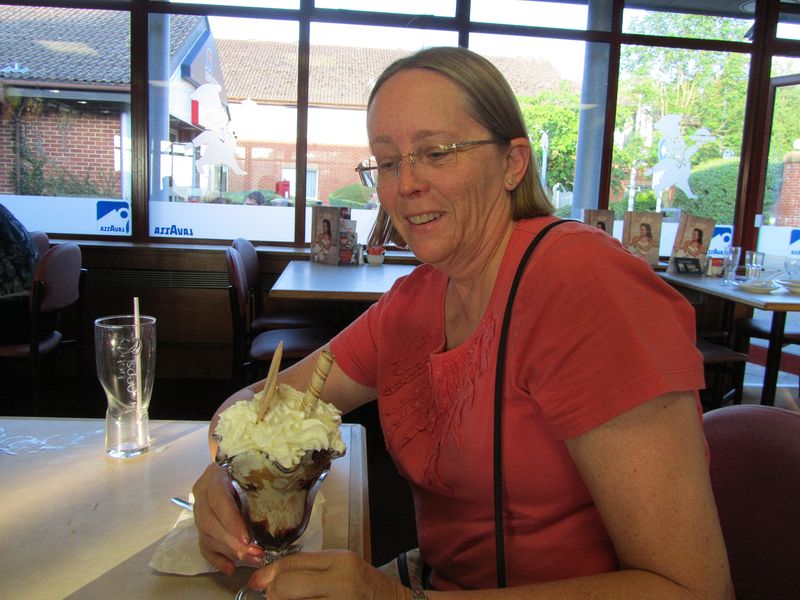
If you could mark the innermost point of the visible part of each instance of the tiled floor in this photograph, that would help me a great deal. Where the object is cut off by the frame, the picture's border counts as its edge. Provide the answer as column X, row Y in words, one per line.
column 785, row 397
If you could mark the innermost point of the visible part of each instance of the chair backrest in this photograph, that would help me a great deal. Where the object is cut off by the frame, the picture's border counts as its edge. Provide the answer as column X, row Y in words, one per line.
column 41, row 240
column 755, row 473
column 56, row 281
column 249, row 259
column 238, row 285
column 252, row 272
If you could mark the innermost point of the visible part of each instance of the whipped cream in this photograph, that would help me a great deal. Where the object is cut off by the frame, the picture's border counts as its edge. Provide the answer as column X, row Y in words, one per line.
column 285, row 433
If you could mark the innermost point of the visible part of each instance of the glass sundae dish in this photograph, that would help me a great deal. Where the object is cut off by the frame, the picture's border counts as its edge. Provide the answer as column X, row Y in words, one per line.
column 278, row 449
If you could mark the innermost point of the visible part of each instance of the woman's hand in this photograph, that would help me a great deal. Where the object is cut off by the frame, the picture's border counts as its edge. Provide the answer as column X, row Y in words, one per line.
column 331, row 574
column 223, row 534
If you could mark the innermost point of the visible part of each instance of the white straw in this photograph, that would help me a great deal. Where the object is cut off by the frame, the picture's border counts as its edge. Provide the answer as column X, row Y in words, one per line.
column 138, row 354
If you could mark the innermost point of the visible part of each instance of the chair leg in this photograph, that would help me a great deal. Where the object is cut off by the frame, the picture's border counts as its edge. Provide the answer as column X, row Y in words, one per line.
column 35, row 386
column 738, row 382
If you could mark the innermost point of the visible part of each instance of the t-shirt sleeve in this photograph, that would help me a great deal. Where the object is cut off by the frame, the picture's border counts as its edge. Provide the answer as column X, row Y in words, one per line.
column 356, row 348
column 608, row 334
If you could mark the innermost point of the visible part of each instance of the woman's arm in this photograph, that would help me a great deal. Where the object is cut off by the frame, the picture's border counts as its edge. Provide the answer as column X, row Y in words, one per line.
column 648, row 474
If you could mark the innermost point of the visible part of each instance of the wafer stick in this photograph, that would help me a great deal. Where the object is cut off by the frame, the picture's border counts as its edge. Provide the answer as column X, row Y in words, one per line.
column 271, row 382
column 321, row 370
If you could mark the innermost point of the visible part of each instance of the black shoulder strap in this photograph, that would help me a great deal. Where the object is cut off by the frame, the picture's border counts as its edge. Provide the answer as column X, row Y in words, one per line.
column 498, row 406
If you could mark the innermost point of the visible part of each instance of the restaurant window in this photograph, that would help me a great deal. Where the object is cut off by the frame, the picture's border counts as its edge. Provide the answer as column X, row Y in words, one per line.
column 789, row 22
column 439, row 8
column 780, row 231
column 345, row 60
column 65, row 146
column 734, row 26
column 223, row 127
column 290, row 4
column 678, row 134
column 288, row 184
column 547, row 77
column 561, row 15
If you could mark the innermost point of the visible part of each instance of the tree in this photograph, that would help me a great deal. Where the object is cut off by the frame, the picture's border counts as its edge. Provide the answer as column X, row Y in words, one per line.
column 555, row 112
column 785, row 124
column 708, row 88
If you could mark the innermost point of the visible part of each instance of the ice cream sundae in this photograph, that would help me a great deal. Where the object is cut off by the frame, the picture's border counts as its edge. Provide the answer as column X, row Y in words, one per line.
column 277, row 447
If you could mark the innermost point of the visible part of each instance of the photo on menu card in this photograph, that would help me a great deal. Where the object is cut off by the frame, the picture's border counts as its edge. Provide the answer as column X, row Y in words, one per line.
column 325, row 226
column 690, row 249
column 641, row 234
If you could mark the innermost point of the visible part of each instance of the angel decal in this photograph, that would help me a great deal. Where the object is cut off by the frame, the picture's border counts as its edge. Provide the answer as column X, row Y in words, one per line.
column 217, row 141
column 674, row 164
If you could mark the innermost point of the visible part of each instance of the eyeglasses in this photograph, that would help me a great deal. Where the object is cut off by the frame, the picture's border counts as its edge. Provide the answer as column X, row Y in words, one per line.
column 385, row 169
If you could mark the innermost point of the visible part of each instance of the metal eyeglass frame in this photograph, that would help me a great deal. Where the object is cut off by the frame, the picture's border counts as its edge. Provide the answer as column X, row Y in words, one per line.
column 366, row 168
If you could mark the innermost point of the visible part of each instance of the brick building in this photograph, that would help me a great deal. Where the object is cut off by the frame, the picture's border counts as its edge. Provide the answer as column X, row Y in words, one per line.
column 788, row 208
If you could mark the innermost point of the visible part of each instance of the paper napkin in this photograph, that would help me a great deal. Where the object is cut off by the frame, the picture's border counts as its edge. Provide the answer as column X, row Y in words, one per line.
column 179, row 553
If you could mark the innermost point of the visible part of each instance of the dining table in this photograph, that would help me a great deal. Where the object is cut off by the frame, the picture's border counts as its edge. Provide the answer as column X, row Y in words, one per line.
column 779, row 302
column 79, row 524
column 307, row 280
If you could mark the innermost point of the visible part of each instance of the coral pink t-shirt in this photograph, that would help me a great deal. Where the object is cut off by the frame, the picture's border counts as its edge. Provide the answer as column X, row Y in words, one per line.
column 594, row 332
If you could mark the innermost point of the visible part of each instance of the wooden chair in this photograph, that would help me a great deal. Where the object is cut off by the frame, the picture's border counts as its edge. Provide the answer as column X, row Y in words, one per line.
column 746, row 328
column 259, row 318
column 252, row 350
column 722, row 364
column 726, row 367
column 58, row 284
column 755, row 475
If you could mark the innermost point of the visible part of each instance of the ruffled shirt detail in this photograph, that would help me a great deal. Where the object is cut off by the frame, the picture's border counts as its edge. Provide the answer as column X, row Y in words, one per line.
column 445, row 387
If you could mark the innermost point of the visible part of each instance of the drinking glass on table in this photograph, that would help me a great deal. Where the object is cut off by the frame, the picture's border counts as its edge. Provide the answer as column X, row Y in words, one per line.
column 125, row 353
column 753, row 265
column 730, row 261
column 792, row 266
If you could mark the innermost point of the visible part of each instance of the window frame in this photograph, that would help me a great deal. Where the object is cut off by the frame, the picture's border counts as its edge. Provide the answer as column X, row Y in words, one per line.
column 761, row 49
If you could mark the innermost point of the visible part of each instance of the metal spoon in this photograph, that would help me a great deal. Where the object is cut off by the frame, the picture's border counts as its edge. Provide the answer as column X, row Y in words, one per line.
column 182, row 503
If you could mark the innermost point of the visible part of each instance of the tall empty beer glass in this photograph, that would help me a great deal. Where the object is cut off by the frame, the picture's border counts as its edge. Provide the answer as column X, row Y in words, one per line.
column 126, row 362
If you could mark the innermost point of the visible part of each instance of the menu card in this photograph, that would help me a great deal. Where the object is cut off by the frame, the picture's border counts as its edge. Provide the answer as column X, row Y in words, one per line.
column 691, row 244
column 326, row 224
column 641, row 234
column 347, row 242
column 602, row 219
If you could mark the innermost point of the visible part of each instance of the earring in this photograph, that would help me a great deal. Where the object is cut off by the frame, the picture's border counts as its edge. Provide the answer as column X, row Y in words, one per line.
column 510, row 181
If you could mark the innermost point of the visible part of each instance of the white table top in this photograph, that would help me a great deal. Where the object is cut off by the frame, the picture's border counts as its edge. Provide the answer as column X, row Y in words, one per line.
column 778, row 300
column 304, row 280
column 76, row 523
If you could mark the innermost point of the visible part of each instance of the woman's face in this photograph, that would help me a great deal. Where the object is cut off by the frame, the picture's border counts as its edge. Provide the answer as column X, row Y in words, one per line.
column 695, row 235
column 642, row 230
column 447, row 215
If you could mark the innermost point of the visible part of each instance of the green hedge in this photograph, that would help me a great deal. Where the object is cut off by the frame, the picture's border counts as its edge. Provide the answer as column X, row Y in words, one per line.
column 714, row 184
column 354, row 195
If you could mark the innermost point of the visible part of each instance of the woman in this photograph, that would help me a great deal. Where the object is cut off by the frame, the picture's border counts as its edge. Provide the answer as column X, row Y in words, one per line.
column 642, row 243
column 693, row 247
column 324, row 242
column 18, row 259
column 606, row 482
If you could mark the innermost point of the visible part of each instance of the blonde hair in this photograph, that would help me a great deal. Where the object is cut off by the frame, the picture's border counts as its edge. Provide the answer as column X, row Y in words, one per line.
column 490, row 101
